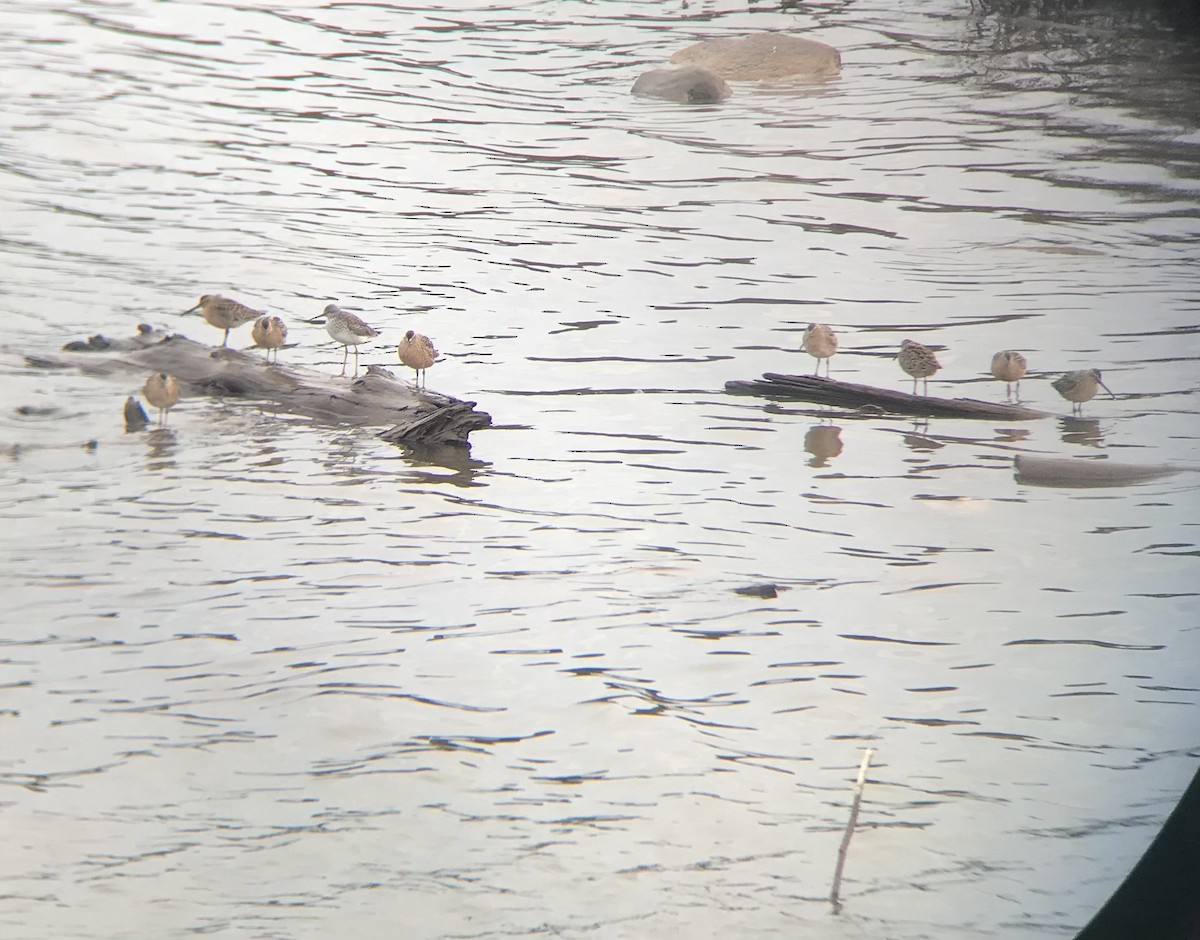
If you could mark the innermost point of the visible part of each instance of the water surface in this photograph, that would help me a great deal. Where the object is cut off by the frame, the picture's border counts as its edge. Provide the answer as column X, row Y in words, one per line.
column 271, row 678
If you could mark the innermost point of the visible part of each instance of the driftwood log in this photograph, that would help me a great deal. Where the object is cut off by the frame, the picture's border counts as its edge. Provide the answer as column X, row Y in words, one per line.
column 827, row 391
column 413, row 417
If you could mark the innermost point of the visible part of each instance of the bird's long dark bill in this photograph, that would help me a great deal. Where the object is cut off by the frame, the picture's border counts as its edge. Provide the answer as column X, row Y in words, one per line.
column 192, row 310
column 1106, row 388
column 320, row 319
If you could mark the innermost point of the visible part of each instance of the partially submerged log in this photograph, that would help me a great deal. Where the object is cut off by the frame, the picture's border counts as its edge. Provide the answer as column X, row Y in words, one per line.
column 415, row 417
column 1085, row 472
column 826, row 391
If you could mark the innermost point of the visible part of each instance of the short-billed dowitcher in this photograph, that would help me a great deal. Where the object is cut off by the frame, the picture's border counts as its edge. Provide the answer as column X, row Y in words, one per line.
column 224, row 313
column 1009, row 367
column 918, row 361
column 1080, row 386
column 417, row 352
column 345, row 328
column 820, row 342
column 162, row 391
column 269, row 333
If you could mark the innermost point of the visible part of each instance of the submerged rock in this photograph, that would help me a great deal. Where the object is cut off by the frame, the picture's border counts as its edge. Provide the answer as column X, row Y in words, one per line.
column 765, row 591
column 760, row 56
column 1080, row 472
column 691, row 84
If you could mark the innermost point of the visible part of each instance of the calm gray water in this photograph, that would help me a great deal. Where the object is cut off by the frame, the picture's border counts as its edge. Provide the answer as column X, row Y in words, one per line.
column 266, row 678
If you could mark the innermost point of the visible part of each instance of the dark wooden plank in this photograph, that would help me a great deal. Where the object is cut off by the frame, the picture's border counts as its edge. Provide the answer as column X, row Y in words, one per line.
column 827, row 391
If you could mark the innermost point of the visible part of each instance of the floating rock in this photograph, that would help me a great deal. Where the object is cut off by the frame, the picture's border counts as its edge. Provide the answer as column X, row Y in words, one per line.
column 1080, row 472
column 765, row 591
column 761, row 56
column 691, row 84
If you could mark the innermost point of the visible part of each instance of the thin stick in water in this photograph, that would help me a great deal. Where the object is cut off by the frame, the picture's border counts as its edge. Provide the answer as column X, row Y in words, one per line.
column 834, row 898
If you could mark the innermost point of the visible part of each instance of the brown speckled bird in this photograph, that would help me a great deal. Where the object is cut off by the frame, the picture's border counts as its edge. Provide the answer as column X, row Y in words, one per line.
column 162, row 391
column 269, row 333
column 1080, row 386
column 1009, row 367
column 820, row 342
column 417, row 352
column 224, row 313
column 918, row 361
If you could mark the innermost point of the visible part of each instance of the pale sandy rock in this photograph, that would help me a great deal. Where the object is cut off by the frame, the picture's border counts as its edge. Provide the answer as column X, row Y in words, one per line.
column 760, row 56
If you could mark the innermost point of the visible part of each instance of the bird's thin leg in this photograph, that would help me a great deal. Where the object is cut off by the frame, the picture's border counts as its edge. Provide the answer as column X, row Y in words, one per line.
column 225, row 341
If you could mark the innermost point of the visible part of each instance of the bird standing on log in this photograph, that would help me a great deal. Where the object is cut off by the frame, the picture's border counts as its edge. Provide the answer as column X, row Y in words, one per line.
column 820, row 342
column 162, row 391
column 269, row 333
column 224, row 313
column 345, row 328
column 1009, row 367
column 417, row 352
column 1080, row 386
column 918, row 361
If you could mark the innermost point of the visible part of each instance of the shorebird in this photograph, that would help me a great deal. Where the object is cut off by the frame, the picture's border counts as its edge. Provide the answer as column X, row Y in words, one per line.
column 918, row 361
column 269, row 333
column 347, row 329
column 1080, row 386
column 1009, row 367
column 224, row 313
column 162, row 391
column 821, row 343
column 417, row 352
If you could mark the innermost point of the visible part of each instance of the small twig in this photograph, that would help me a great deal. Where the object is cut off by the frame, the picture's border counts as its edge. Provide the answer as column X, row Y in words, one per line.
column 834, row 898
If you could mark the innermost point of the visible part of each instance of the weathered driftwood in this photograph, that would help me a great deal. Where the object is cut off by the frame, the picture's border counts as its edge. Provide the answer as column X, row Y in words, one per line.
column 416, row 417
column 827, row 391
column 1084, row 472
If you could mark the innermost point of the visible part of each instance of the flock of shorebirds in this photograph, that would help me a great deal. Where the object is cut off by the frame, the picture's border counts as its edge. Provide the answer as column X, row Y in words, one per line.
column 918, row 361
column 418, row 353
column 270, row 333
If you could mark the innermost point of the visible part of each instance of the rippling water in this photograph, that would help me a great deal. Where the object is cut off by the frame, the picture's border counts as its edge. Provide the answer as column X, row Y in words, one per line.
column 269, row 678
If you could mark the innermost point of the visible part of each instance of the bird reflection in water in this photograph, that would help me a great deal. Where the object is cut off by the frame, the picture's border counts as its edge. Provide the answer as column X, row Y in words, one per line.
column 1011, row 435
column 1084, row 431
column 918, row 438
column 824, row 442
column 160, row 449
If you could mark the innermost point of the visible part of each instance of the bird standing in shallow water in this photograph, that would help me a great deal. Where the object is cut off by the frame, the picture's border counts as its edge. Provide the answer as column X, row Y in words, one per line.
column 918, row 361
column 1009, row 367
column 1080, row 386
column 417, row 352
column 162, row 391
column 269, row 333
column 821, row 343
column 224, row 313
column 347, row 329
